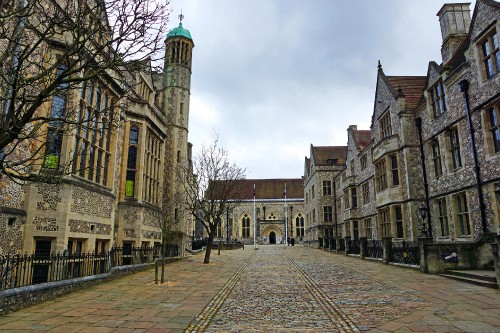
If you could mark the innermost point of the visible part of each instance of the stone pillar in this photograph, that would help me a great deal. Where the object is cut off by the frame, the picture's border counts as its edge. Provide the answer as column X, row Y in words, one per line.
column 423, row 241
column 496, row 258
column 387, row 248
column 337, row 245
column 363, row 243
column 347, row 239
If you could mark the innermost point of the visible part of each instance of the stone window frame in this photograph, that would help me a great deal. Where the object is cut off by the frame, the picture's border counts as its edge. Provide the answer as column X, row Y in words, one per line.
column 437, row 97
column 454, row 148
column 367, row 227
column 245, row 226
column 398, row 221
column 491, row 125
column 327, row 187
column 381, row 175
column 394, row 163
column 354, row 197
column 385, row 125
column 346, row 199
column 363, row 162
column 441, row 211
column 384, row 221
column 153, row 166
column 488, row 56
column 132, row 165
column 365, row 188
column 299, row 225
column 96, row 137
column 436, row 156
column 327, row 213
column 461, row 210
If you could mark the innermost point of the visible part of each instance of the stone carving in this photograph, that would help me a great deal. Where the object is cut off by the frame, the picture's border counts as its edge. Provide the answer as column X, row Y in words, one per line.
column 151, row 234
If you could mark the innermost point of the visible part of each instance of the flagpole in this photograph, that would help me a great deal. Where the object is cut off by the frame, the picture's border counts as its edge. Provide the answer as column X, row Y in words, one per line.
column 254, row 220
column 286, row 220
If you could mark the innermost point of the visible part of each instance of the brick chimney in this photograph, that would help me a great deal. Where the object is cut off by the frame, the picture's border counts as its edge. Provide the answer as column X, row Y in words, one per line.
column 454, row 19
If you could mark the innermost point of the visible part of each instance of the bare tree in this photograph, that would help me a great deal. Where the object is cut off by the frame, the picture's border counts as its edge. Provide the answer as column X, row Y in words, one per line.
column 48, row 50
column 166, row 222
column 211, row 188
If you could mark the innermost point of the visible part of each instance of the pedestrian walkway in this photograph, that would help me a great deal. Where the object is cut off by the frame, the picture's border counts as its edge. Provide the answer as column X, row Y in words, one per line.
column 272, row 289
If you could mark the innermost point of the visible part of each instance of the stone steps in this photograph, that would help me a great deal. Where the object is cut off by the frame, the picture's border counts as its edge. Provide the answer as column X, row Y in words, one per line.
column 485, row 278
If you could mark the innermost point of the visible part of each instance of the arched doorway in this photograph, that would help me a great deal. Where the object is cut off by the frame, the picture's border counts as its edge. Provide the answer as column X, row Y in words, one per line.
column 272, row 237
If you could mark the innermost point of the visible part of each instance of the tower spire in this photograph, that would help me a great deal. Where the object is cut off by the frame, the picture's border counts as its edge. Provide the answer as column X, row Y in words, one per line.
column 181, row 17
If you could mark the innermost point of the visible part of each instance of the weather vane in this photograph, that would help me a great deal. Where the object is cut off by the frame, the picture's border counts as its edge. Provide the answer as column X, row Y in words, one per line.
column 181, row 17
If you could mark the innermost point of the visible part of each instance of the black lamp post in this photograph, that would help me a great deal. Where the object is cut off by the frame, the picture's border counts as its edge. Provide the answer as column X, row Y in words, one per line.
column 422, row 210
column 291, row 221
column 227, row 225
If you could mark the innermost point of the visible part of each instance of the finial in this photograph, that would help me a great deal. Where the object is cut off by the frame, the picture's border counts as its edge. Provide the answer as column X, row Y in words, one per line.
column 400, row 92
column 181, row 17
column 379, row 65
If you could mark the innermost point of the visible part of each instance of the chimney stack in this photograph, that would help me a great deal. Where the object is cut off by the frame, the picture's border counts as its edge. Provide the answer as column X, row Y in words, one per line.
column 454, row 19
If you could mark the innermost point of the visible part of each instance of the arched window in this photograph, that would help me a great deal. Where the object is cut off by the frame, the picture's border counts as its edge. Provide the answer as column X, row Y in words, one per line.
column 299, row 225
column 131, row 161
column 245, row 226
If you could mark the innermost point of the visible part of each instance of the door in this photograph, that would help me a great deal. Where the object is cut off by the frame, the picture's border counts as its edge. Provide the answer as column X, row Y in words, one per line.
column 272, row 237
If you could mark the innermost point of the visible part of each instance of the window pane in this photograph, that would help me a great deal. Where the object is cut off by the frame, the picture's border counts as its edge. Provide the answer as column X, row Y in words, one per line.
column 134, row 135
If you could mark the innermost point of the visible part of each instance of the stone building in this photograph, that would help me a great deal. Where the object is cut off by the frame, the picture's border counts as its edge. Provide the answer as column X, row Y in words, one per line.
column 459, row 115
column 271, row 212
column 429, row 165
column 354, row 194
column 122, row 164
column 320, row 169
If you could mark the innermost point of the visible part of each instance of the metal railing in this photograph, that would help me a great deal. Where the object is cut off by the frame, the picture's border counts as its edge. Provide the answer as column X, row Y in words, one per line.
column 374, row 249
column 354, row 246
column 24, row 270
column 406, row 252
column 342, row 244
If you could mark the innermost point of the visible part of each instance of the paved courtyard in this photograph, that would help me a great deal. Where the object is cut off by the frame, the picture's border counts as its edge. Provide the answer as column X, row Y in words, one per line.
column 271, row 289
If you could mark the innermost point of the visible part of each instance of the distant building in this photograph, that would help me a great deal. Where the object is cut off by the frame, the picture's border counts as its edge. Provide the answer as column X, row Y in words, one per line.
column 275, row 217
column 320, row 168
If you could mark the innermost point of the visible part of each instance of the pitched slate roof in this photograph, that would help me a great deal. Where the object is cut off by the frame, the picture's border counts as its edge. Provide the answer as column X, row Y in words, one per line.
column 321, row 154
column 362, row 138
column 271, row 188
column 411, row 86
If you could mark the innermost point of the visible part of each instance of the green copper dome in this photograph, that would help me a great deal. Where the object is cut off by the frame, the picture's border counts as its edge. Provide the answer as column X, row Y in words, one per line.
column 179, row 32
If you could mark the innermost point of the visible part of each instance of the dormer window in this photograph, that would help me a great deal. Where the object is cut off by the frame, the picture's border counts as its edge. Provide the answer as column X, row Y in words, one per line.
column 438, row 99
column 385, row 125
column 332, row 161
column 491, row 54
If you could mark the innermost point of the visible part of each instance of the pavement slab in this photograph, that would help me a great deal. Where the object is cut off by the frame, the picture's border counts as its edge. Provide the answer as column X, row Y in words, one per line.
column 269, row 289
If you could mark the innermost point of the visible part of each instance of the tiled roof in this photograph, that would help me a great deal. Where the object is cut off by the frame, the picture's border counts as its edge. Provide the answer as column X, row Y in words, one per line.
column 321, row 154
column 362, row 138
column 412, row 87
column 271, row 188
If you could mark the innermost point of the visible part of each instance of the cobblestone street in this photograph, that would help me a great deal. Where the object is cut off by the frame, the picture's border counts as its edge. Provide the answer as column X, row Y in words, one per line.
column 272, row 289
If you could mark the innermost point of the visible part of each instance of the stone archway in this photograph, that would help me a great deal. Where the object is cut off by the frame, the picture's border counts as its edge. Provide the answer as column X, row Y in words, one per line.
column 272, row 237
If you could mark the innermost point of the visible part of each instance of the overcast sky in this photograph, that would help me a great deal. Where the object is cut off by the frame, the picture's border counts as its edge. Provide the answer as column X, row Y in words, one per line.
column 272, row 77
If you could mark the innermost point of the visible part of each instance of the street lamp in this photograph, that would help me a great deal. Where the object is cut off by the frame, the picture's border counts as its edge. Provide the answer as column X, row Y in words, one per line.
column 422, row 211
column 291, row 221
column 227, row 225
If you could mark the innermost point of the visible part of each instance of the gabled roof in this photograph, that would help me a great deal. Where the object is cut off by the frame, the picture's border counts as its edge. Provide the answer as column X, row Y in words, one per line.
column 271, row 188
column 322, row 154
column 412, row 88
column 362, row 138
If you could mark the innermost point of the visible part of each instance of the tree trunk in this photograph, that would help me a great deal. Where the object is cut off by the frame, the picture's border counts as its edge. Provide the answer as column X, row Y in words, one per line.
column 209, row 247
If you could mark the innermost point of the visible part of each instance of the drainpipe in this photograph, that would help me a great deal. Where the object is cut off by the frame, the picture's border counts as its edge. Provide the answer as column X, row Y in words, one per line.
column 335, row 209
column 464, row 87
column 418, row 122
